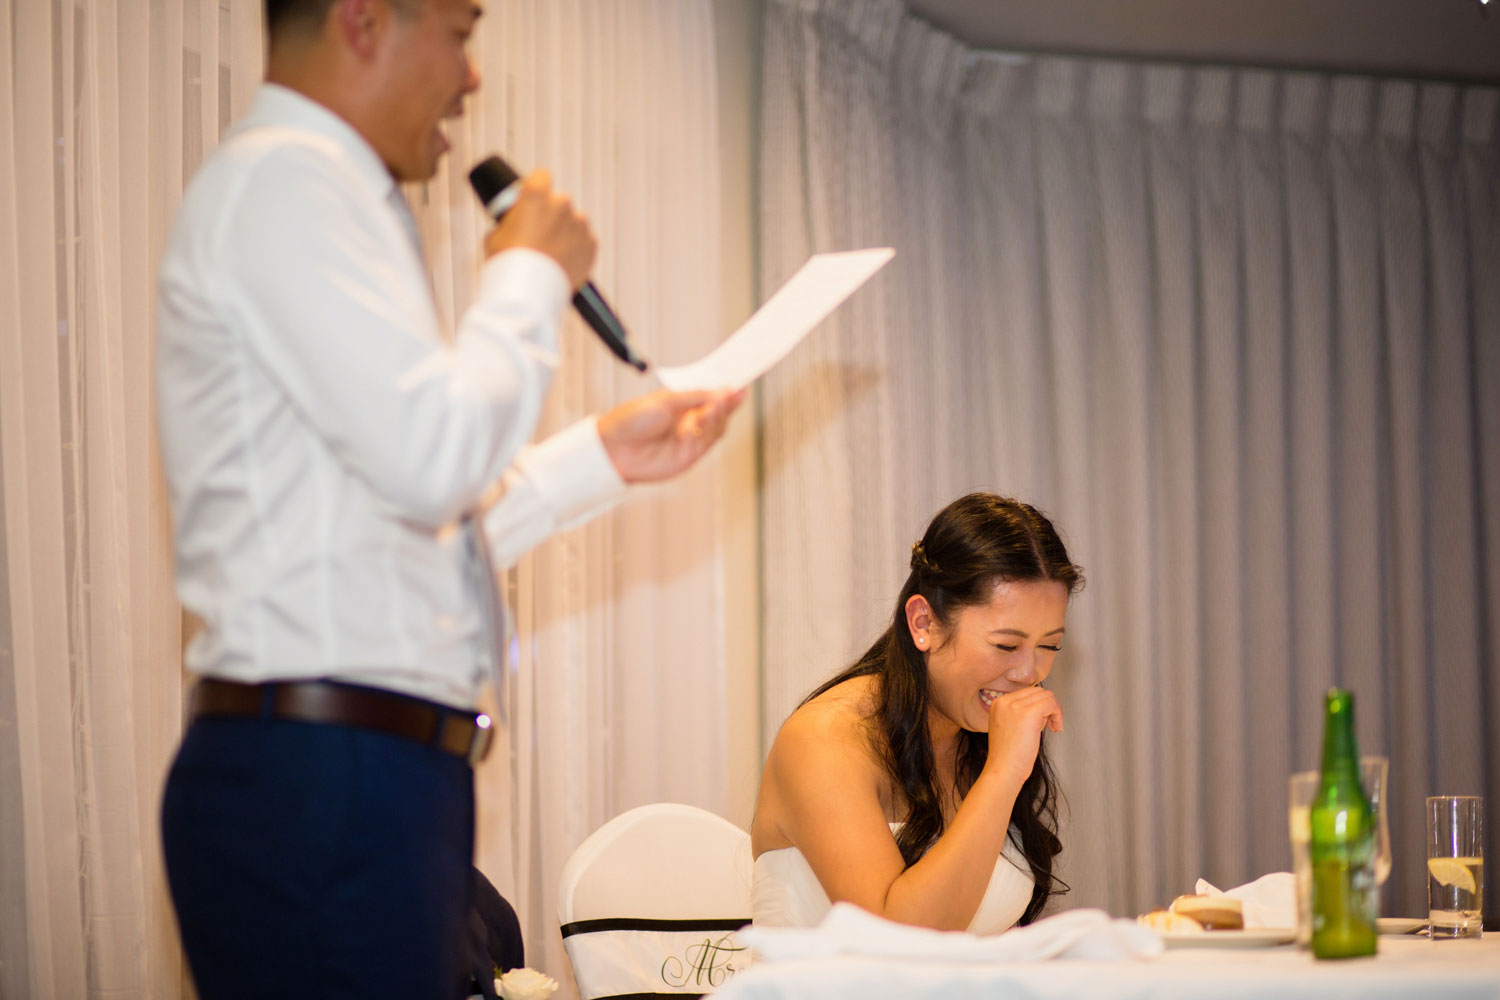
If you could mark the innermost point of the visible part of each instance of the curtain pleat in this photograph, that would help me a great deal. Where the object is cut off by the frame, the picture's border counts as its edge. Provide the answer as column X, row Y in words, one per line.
column 1234, row 329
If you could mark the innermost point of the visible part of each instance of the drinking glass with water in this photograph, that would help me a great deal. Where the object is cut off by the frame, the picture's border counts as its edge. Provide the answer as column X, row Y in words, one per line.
column 1455, row 866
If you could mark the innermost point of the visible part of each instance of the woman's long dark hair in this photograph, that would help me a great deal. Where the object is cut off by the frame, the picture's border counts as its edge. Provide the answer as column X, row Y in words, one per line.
column 972, row 544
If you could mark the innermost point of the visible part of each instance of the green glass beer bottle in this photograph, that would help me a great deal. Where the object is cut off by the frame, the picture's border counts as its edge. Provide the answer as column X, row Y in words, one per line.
column 1345, row 901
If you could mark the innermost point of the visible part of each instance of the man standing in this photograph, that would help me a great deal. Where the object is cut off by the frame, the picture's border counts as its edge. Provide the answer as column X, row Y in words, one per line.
column 341, row 471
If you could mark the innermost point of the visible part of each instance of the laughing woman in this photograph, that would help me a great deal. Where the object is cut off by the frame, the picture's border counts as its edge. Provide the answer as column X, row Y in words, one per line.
column 915, row 783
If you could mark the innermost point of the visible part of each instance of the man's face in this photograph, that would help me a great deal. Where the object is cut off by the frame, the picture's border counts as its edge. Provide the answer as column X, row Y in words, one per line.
column 425, row 74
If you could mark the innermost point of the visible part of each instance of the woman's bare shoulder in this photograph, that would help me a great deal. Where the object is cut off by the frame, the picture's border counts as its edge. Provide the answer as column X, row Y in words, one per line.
column 841, row 714
column 822, row 753
column 830, row 737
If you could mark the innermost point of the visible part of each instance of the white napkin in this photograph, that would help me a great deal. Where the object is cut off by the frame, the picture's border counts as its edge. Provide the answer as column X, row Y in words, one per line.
column 849, row 930
column 1269, row 901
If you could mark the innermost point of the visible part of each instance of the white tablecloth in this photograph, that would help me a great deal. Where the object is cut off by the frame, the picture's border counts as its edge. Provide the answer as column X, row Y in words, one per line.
column 1405, row 968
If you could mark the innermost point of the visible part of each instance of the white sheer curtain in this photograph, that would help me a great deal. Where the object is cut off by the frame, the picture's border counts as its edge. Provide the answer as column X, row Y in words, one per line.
column 1237, row 331
column 617, row 683
column 105, row 109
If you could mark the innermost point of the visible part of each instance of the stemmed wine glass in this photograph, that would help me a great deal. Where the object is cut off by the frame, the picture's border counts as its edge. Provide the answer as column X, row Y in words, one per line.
column 1374, row 771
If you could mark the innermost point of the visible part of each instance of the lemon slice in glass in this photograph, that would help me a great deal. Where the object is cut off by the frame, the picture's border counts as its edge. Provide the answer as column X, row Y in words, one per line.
column 1451, row 871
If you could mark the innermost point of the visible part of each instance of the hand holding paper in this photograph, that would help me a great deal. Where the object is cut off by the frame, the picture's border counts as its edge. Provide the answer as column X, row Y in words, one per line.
column 658, row 435
column 812, row 293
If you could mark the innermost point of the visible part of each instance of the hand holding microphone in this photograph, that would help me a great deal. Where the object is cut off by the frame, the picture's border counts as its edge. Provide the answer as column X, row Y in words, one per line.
column 530, row 214
column 650, row 438
column 547, row 221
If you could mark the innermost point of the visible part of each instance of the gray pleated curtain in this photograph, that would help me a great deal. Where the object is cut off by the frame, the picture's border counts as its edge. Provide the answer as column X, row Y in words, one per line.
column 1238, row 331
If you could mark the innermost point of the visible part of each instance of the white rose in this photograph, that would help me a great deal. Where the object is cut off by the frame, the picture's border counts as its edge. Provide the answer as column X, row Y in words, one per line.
column 525, row 984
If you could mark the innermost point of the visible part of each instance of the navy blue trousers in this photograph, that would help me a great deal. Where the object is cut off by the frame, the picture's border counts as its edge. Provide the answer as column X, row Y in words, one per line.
column 319, row 861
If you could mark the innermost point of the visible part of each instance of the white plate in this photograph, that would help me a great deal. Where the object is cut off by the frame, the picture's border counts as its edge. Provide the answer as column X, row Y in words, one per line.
column 1399, row 925
column 1255, row 937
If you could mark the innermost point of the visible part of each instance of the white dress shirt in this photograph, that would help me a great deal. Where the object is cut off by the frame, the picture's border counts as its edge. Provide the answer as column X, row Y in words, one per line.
column 323, row 439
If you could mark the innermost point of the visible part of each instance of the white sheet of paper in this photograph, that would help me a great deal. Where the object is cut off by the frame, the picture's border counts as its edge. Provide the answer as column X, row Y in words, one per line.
column 778, row 326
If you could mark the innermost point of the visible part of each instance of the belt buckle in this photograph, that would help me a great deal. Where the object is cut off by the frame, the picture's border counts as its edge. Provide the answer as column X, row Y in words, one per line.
column 484, row 736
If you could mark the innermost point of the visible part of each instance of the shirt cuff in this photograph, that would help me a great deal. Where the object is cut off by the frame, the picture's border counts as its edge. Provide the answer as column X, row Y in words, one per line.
column 572, row 472
column 527, row 275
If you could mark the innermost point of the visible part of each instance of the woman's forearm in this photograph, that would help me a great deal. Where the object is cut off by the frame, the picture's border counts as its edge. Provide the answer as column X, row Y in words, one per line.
column 944, row 889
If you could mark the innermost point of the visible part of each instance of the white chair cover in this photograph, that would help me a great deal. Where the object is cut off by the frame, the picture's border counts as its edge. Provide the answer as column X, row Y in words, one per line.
column 651, row 902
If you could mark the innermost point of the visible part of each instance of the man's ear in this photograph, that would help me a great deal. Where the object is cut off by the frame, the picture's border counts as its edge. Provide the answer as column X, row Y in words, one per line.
column 358, row 24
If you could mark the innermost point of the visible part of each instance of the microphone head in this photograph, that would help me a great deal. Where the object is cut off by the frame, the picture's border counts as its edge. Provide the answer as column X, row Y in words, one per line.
column 491, row 177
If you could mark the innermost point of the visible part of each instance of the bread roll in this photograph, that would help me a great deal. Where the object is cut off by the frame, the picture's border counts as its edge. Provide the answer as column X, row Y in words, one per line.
column 1167, row 922
column 1215, row 913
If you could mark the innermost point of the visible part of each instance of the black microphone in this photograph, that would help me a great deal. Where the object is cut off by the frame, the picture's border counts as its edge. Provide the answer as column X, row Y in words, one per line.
column 498, row 186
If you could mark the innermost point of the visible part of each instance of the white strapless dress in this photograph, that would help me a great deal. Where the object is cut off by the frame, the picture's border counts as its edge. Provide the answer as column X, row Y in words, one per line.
column 784, row 892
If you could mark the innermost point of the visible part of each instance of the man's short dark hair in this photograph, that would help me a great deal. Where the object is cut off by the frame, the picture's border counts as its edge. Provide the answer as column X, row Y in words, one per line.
column 306, row 16
column 302, row 15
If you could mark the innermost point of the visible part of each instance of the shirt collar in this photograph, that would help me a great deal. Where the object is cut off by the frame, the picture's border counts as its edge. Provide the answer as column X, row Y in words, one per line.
column 276, row 106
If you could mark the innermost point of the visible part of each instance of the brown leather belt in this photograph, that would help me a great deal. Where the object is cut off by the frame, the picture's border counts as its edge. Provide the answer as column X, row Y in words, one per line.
column 451, row 730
